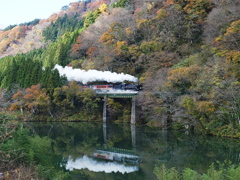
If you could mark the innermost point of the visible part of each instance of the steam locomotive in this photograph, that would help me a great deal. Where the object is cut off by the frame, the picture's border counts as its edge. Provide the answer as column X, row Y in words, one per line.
column 123, row 86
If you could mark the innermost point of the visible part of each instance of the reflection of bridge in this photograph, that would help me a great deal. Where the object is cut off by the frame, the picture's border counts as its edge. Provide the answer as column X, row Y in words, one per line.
column 118, row 94
column 118, row 154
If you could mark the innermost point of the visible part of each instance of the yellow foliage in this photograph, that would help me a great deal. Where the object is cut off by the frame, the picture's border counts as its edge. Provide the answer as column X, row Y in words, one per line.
column 142, row 79
column 220, row 52
column 106, row 38
column 189, row 103
column 128, row 31
column 236, row 83
column 234, row 28
column 198, row 108
column 89, row 64
column 14, row 46
column 233, row 62
column 233, row 57
column 103, row 8
column 121, row 47
column 197, row 8
column 134, row 51
column 142, row 23
column 148, row 47
column 120, row 44
column 31, row 43
column 206, row 107
column 184, row 73
column 219, row 38
column 149, row 6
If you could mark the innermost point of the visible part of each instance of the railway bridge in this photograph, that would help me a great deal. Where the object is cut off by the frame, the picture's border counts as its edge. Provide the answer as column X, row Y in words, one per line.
column 118, row 94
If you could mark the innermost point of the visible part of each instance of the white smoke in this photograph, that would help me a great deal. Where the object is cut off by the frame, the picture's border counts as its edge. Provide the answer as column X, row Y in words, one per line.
column 117, row 91
column 93, row 75
column 95, row 166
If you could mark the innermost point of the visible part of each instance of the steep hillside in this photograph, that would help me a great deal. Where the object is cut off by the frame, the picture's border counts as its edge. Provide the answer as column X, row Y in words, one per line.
column 185, row 53
column 25, row 37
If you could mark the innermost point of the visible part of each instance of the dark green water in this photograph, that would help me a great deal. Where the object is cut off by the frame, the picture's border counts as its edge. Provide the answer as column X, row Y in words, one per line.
column 133, row 151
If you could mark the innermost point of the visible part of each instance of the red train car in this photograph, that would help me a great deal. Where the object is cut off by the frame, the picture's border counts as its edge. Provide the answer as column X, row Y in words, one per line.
column 101, row 87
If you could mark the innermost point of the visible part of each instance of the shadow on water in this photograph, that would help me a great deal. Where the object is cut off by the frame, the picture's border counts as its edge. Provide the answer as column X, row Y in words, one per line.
column 123, row 151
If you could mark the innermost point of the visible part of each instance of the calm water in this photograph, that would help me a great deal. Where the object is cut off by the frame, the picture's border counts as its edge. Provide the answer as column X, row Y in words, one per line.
column 121, row 151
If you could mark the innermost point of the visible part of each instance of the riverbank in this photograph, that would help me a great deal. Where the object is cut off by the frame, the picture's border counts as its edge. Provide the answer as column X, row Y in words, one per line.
column 23, row 155
column 224, row 172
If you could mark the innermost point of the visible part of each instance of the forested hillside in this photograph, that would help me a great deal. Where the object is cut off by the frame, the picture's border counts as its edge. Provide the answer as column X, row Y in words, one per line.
column 184, row 52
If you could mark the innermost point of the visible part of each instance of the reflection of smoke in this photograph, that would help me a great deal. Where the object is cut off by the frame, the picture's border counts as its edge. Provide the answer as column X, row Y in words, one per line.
column 93, row 75
column 96, row 166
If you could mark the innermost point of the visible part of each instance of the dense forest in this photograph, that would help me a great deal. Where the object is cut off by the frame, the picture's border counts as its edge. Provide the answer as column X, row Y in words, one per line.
column 185, row 54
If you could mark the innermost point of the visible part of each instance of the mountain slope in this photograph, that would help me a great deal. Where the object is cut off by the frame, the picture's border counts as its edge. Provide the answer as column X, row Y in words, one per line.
column 185, row 53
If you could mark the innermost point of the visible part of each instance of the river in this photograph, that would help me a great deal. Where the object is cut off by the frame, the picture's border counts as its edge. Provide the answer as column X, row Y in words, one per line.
column 121, row 151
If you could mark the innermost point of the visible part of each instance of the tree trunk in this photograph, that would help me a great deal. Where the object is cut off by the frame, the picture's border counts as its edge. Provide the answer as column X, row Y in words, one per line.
column 21, row 110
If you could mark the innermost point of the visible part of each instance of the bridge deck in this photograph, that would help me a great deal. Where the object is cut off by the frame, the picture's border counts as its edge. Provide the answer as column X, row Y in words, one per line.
column 116, row 95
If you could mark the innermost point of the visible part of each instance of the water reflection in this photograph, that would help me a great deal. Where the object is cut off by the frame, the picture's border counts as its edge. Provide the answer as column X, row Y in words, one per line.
column 117, row 160
column 98, row 166
column 101, row 151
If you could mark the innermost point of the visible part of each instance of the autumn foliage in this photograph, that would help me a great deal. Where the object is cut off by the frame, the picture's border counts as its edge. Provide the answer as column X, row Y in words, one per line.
column 185, row 53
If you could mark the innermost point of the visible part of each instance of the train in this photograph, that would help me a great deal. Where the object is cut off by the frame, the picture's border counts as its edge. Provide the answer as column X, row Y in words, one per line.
column 123, row 86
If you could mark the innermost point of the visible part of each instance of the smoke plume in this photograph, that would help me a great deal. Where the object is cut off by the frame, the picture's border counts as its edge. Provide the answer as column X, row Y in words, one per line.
column 93, row 75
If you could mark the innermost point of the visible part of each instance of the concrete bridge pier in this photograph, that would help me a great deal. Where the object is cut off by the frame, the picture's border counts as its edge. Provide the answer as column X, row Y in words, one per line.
column 164, row 135
column 105, row 109
column 105, row 133
column 133, row 111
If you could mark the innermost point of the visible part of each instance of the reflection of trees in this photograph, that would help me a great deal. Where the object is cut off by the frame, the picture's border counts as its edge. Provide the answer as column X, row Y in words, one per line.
column 75, row 139
column 70, row 138
column 119, row 136
column 154, row 146
column 194, row 151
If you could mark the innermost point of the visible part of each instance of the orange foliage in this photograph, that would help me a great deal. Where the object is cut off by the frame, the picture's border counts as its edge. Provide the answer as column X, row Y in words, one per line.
column 19, row 100
column 74, row 6
column 18, row 95
column 4, row 44
column 96, row 4
column 14, row 106
column 91, row 51
column 168, row 2
column 12, row 37
column 53, row 17
column 75, row 48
